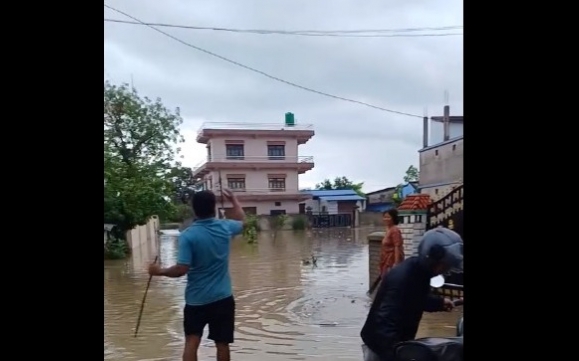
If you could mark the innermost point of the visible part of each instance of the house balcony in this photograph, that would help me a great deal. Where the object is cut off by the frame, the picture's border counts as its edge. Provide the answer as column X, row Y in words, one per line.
column 265, row 194
column 301, row 164
column 301, row 132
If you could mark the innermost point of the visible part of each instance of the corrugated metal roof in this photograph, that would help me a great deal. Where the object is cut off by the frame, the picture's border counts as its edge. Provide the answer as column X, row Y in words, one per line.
column 354, row 197
column 330, row 193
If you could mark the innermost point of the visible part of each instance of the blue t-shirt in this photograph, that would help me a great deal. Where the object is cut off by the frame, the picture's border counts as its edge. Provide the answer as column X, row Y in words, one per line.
column 204, row 247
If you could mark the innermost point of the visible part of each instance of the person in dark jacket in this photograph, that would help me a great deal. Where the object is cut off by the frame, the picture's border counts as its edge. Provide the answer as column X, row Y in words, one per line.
column 404, row 294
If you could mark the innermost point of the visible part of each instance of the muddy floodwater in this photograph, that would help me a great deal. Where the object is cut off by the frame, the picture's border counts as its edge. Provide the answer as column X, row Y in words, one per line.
column 286, row 309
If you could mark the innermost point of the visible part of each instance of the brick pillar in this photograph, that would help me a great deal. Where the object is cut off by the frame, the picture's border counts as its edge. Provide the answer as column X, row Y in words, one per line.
column 407, row 233
column 413, row 214
column 374, row 247
column 412, row 226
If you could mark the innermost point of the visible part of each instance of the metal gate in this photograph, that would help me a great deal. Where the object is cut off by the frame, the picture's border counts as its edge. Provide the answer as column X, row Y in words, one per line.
column 448, row 212
column 330, row 220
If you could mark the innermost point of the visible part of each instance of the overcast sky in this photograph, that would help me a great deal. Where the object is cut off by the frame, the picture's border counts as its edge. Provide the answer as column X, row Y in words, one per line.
column 364, row 144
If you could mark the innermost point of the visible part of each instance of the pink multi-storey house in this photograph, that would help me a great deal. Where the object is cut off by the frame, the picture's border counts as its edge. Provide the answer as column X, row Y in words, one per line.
column 259, row 162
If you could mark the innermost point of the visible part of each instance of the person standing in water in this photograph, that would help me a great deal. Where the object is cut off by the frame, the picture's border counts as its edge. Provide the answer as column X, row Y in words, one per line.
column 204, row 257
column 392, row 251
column 392, row 245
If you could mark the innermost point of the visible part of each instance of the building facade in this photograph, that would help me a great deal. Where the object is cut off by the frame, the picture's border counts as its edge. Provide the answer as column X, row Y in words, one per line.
column 333, row 208
column 259, row 162
column 441, row 162
column 383, row 199
column 380, row 200
column 323, row 201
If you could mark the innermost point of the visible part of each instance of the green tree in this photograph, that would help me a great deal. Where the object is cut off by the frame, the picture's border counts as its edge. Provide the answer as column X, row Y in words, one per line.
column 341, row 183
column 183, row 184
column 141, row 139
column 411, row 175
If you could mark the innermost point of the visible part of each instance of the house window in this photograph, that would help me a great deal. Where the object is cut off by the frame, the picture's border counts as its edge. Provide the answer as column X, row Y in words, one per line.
column 436, row 152
column 250, row 210
column 277, row 184
column 454, row 147
column 235, row 151
column 276, row 152
column 236, row 184
column 436, row 191
column 277, row 204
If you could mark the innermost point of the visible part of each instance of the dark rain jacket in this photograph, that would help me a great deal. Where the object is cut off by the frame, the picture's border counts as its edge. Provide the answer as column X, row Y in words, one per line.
column 395, row 314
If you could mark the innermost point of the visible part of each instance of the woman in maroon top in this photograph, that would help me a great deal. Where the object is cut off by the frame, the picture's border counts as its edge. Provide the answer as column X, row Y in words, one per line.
column 392, row 245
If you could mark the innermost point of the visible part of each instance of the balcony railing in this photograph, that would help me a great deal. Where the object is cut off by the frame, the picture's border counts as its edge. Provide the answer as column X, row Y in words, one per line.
column 253, row 126
column 263, row 193
column 254, row 159
column 216, row 189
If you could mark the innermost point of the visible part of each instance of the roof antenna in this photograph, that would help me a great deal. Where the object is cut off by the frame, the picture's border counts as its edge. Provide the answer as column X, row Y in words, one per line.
column 446, row 118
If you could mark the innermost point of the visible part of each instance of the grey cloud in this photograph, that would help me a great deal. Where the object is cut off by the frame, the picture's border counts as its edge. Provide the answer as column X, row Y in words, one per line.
column 405, row 74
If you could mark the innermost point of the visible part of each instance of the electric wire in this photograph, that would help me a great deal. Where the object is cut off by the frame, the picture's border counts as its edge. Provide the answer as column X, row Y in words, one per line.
column 390, row 33
column 262, row 72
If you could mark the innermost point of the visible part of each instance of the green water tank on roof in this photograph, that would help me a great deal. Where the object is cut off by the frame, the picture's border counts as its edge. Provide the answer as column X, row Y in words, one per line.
column 290, row 120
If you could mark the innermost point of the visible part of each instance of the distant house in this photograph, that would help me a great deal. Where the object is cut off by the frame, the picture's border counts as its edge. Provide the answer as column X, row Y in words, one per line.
column 441, row 156
column 383, row 199
column 408, row 189
column 332, row 202
column 380, row 200
column 259, row 162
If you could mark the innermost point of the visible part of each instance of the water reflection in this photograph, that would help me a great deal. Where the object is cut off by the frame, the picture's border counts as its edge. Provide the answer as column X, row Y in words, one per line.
column 286, row 310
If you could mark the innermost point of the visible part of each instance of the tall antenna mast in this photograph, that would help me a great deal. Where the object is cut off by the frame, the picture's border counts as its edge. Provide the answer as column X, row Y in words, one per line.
column 425, row 134
column 446, row 118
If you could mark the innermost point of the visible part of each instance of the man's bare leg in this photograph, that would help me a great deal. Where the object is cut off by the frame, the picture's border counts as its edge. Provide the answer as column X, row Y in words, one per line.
column 223, row 353
column 191, row 346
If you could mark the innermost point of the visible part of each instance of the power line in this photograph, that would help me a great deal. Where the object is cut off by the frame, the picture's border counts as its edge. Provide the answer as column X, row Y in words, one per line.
column 378, row 33
column 264, row 73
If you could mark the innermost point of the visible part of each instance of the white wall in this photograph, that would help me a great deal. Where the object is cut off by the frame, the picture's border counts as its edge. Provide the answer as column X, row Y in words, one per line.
column 145, row 235
column 437, row 132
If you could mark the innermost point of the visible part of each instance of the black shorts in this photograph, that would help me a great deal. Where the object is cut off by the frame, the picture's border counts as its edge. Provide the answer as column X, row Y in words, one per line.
column 219, row 315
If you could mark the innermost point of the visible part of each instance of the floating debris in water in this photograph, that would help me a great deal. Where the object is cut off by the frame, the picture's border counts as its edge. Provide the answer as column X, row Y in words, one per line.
column 313, row 261
column 328, row 324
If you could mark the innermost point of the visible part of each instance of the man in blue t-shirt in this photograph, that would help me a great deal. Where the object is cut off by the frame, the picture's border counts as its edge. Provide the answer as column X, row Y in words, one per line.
column 204, row 257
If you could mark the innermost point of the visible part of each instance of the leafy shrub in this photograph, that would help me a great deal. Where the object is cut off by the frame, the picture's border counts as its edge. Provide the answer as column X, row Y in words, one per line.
column 299, row 223
column 250, row 228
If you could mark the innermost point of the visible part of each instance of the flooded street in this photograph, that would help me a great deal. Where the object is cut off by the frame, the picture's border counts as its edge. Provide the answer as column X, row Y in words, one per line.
column 286, row 310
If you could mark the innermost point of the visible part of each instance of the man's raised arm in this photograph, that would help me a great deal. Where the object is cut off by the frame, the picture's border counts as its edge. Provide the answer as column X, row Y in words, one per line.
column 237, row 212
